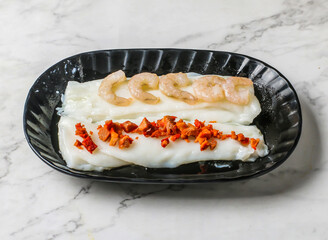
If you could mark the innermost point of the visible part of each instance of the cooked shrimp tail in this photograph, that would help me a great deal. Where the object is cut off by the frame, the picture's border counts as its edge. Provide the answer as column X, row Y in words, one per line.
column 237, row 90
column 138, row 81
column 105, row 90
column 169, row 83
column 209, row 88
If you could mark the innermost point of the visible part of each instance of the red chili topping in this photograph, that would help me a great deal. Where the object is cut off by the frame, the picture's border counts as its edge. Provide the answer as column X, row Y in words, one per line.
column 129, row 126
column 103, row 133
column 213, row 144
column 199, row 124
column 125, row 142
column 175, row 137
column 80, row 130
column 114, row 137
column 144, row 126
column 78, row 144
column 233, row 135
column 166, row 128
column 165, row 142
column 87, row 142
column 254, row 143
column 204, row 145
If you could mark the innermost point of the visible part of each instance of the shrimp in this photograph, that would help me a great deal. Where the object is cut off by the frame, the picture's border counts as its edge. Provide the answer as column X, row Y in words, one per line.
column 106, row 92
column 234, row 93
column 209, row 88
column 168, row 85
column 136, row 84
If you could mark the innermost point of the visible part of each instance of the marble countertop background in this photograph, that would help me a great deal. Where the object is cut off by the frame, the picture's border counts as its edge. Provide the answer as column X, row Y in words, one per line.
column 291, row 202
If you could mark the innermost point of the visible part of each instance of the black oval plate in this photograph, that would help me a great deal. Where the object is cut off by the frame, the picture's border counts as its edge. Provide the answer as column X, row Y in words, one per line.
column 280, row 120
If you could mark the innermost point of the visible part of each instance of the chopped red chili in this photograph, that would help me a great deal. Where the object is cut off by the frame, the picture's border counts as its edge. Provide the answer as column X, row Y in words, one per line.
column 87, row 142
column 129, row 126
column 199, row 124
column 114, row 137
column 175, row 137
column 103, row 133
column 168, row 128
column 144, row 125
column 125, row 142
column 80, row 130
column 165, row 142
column 204, row 145
column 78, row 144
column 254, row 143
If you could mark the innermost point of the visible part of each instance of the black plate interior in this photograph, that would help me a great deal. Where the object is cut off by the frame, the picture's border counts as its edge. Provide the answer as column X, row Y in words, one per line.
column 280, row 120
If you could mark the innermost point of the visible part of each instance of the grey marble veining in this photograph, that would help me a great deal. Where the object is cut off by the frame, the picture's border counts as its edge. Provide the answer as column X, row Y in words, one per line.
column 290, row 202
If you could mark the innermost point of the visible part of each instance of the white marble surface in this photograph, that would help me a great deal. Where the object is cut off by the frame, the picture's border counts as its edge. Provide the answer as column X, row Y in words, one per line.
column 291, row 202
